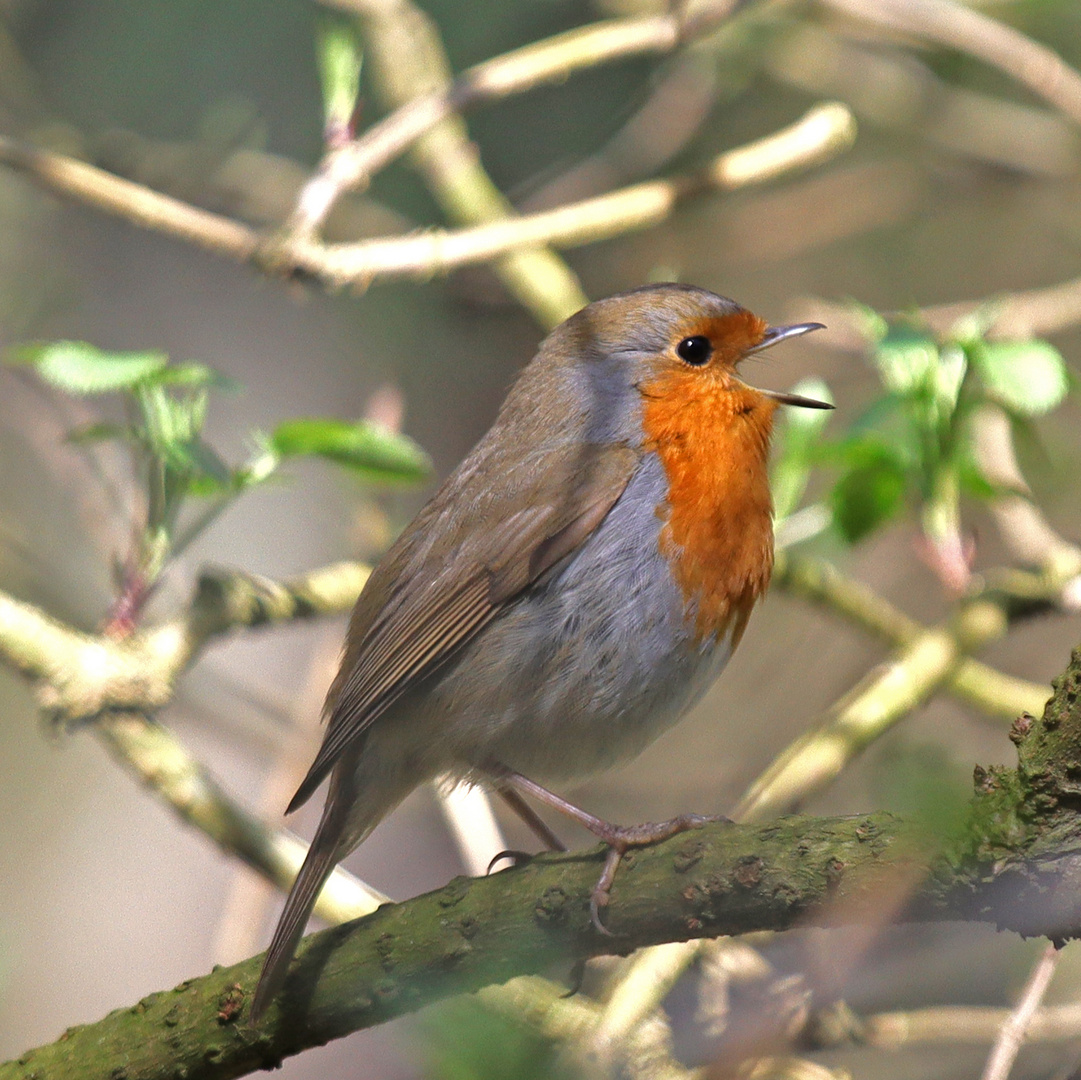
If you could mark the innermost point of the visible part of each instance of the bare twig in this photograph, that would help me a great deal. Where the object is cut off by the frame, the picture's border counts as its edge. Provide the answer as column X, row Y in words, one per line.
column 823, row 132
column 133, row 202
column 1025, row 530
column 157, row 757
column 989, row 690
column 875, row 704
column 1035, row 66
column 515, row 72
column 406, row 55
column 1004, row 1052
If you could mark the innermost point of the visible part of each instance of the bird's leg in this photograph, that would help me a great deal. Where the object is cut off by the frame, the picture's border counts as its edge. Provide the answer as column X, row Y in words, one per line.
column 618, row 837
column 531, row 818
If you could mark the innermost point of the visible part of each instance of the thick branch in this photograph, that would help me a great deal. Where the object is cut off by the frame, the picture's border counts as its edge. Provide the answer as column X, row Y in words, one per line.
column 725, row 879
column 1016, row 862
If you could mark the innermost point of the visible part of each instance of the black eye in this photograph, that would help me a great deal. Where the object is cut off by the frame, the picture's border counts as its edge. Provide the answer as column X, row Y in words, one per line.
column 695, row 350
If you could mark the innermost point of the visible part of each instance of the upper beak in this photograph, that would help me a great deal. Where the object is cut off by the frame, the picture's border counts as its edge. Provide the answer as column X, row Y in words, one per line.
column 782, row 333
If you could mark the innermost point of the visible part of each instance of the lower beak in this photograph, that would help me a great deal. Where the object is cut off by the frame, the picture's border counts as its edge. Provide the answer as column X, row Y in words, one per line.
column 771, row 337
column 795, row 399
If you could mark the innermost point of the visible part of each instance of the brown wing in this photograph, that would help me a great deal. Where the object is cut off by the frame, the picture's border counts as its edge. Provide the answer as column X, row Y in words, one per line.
column 427, row 599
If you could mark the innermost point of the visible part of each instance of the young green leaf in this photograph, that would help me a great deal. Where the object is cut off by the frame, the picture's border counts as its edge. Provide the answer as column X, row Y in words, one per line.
column 367, row 448
column 867, row 496
column 79, row 368
column 102, row 432
column 196, row 376
column 1025, row 377
column 339, row 70
column 906, row 359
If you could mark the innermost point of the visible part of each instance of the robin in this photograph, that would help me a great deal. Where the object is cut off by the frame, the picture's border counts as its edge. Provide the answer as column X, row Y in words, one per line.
column 570, row 591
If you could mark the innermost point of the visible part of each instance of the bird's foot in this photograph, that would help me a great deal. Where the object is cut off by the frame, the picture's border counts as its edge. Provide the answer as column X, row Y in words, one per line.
column 619, row 838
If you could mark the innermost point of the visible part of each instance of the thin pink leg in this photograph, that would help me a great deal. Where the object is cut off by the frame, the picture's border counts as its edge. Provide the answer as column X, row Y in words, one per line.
column 618, row 837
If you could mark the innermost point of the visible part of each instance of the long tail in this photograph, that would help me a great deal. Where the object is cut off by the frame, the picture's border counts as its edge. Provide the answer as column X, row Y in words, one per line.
column 323, row 855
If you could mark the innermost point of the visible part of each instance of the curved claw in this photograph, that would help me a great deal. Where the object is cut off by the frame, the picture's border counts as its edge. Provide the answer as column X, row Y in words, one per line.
column 599, row 897
column 595, row 916
column 511, row 854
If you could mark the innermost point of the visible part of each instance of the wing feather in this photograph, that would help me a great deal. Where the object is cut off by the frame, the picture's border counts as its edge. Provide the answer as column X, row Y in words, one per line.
column 422, row 609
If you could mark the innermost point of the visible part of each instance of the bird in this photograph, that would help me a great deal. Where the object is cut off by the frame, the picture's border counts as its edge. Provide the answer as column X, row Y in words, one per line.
column 569, row 592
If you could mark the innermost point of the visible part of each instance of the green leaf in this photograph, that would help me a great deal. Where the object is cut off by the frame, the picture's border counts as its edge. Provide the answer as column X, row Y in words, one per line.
column 906, row 359
column 103, row 432
column 799, row 434
column 339, row 71
column 195, row 375
column 364, row 447
column 867, row 496
column 1026, row 377
column 79, row 368
column 207, row 463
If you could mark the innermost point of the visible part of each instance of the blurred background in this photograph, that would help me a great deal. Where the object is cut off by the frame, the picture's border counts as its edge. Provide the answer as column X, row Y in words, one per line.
column 960, row 185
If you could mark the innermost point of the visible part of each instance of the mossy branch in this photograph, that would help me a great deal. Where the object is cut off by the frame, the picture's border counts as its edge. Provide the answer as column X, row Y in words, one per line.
column 1015, row 862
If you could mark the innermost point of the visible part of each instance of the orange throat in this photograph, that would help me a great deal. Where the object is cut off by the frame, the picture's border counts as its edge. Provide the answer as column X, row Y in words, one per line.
column 712, row 436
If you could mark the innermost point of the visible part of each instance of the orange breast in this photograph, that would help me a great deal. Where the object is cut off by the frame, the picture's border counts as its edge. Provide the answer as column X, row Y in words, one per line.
column 712, row 436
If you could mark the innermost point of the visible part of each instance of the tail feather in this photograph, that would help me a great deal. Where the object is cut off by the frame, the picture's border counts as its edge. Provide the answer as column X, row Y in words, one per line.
column 321, row 859
column 329, row 846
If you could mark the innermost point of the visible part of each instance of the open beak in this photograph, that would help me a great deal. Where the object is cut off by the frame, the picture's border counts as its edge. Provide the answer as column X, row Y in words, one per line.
column 782, row 333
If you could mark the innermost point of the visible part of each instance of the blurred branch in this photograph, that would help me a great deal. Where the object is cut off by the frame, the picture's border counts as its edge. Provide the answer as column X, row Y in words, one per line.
column 825, row 131
column 158, row 758
column 409, row 62
column 1033, row 65
column 551, row 60
column 917, row 668
column 1030, row 313
column 989, row 690
column 1004, row 1052
column 895, row 90
column 1026, row 532
column 81, row 675
column 944, row 1025
column 678, row 104
column 646, row 1049
column 1015, row 862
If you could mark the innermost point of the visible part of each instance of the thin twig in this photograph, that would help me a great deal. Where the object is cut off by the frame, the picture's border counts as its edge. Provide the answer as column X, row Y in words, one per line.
column 1012, row 1034
column 133, row 202
column 541, row 62
column 1026, row 532
column 823, row 132
column 993, row 692
column 1033, row 65
column 405, row 54
column 158, row 758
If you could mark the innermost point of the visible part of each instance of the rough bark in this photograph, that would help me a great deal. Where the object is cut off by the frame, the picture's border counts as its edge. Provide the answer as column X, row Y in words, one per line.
column 1014, row 860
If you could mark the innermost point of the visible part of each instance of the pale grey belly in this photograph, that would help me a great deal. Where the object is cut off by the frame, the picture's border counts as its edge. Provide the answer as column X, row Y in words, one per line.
column 584, row 670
